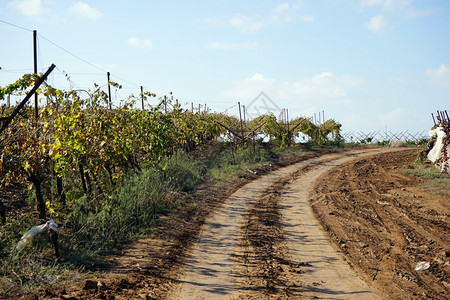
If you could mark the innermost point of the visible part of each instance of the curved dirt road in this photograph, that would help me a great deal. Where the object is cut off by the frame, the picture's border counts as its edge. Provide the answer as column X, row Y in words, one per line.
column 265, row 241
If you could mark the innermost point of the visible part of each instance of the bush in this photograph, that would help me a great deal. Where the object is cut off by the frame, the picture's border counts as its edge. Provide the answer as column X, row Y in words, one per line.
column 135, row 206
column 181, row 172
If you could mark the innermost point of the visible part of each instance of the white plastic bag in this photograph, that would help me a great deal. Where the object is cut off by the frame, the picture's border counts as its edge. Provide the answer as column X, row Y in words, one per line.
column 35, row 230
column 423, row 265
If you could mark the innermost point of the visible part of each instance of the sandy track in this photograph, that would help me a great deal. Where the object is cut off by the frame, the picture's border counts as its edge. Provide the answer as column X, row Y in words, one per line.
column 326, row 275
column 214, row 268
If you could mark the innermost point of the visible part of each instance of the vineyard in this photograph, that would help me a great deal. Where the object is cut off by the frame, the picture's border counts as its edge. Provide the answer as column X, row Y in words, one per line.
column 65, row 159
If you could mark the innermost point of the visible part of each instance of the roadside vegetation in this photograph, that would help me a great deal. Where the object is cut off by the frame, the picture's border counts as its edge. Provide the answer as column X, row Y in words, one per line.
column 433, row 180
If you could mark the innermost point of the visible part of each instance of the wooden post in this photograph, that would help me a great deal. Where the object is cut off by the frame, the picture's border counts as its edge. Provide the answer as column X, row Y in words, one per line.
column 240, row 120
column 36, row 109
column 442, row 116
column 254, row 142
column 109, row 91
column 142, row 96
column 2, row 212
column 27, row 97
column 288, row 132
column 165, row 104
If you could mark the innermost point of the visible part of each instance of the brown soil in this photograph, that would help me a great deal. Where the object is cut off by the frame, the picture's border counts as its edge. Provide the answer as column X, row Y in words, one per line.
column 377, row 219
column 385, row 224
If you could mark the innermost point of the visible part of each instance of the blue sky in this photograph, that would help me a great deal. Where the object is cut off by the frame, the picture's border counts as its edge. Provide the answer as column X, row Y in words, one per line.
column 369, row 64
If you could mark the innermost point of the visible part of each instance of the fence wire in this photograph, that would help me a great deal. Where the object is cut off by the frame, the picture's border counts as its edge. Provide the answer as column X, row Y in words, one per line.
column 382, row 136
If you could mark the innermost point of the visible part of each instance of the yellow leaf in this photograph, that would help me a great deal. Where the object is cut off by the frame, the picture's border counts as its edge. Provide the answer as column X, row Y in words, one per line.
column 26, row 166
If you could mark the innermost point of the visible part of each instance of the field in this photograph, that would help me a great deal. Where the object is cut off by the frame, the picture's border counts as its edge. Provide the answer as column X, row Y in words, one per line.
column 246, row 241
column 151, row 205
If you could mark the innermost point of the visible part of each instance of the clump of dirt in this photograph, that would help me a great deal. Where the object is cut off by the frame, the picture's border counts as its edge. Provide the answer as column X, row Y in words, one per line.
column 385, row 224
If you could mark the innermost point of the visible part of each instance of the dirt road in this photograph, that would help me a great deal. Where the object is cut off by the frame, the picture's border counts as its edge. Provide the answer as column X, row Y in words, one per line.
column 339, row 226
column 385, row 223
column 297, row 258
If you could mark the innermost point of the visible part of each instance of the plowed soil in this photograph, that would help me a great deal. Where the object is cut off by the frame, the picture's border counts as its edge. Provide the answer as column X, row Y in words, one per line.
column 340, row 226
column 385, row 224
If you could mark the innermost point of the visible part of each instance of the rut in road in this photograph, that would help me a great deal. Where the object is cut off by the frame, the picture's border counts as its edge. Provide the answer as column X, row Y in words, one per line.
column 264, row 241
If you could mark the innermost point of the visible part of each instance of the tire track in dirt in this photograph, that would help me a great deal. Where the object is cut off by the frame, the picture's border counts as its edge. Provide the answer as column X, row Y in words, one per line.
column 220, row 265
column 208, row 268
column 326, row 274
column 385, row 223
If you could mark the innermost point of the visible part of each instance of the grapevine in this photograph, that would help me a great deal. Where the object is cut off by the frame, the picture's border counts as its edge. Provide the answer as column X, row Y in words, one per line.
column 77, row 134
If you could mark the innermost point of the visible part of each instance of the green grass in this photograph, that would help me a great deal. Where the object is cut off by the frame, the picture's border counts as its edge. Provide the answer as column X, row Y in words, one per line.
column 439, row 186
column 424, row 170
column 228, row 163
column 435, row 181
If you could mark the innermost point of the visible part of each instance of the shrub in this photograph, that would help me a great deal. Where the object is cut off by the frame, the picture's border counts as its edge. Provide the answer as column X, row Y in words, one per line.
column 135, row 205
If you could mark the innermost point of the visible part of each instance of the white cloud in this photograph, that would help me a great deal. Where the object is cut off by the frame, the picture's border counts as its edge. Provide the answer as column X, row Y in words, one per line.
column 281, row 8
column 29, row 8
column 250, row 87
column 394, row 117
column 286, row 12
column 386, row 4
column 404, row 7
column 358, row 121
column 307, row 18
column 84, row 10
column 136, row 42
column 439, row 76
column 377, row 24
column 234, row 46
column 325, row 87
column 399, row 80
column 246, row 24
column 283, row 13
column 413, row 13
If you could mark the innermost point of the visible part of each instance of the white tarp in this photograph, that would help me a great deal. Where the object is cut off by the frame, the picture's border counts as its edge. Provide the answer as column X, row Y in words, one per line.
column 436, row 153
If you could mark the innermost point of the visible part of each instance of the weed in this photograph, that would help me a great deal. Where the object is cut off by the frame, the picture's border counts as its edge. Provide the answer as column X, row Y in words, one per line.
column 435, row 181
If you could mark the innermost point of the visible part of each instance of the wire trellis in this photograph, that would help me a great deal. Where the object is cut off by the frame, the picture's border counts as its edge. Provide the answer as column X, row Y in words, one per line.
column 381, row 136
